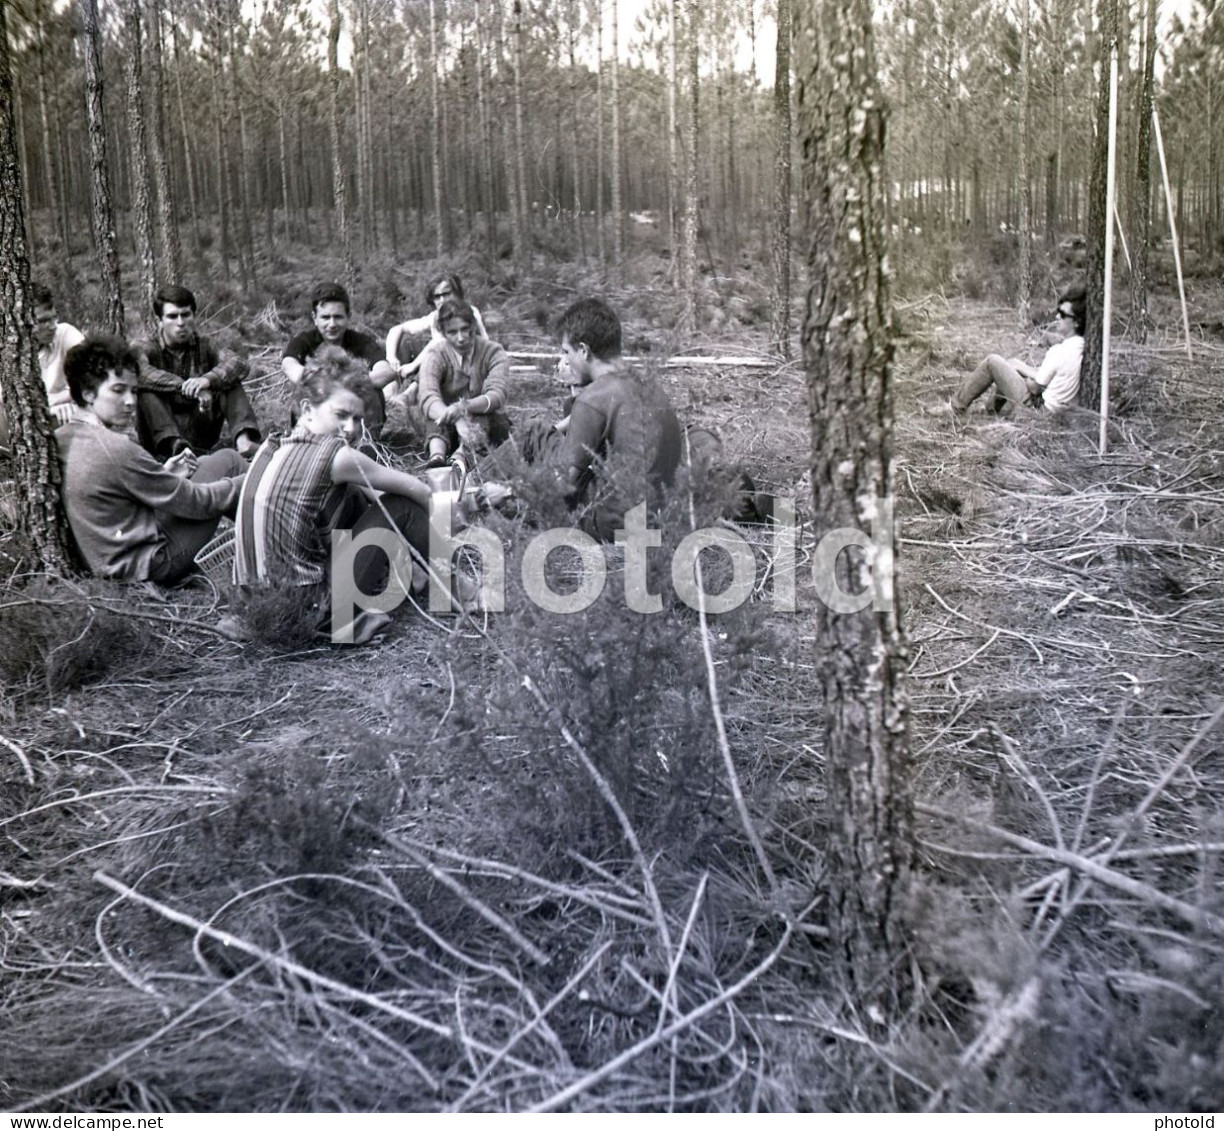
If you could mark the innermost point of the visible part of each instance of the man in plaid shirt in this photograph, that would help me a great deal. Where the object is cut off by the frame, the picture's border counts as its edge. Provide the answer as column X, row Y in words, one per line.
column 190, row 390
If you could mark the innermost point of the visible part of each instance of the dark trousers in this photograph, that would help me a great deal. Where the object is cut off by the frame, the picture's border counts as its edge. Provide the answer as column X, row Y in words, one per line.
column 186, row 537
column 352, row 509
column 163, row 418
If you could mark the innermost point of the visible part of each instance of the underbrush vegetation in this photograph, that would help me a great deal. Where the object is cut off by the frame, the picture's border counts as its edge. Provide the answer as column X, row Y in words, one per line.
column 530, row 860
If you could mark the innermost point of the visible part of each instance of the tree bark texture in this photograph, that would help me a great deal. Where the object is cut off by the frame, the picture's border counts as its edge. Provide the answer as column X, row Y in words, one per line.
column 138, row 151
column 618, row 220
column 1025, row 289
column 339, row 182
column 522, row 251
column 40, row 519
column 780, row 298
column 600, row 235
column 688, row 257
column 1141, row 196
column 673, row 134
column 188, row 162
column 103, row 212
column 54, row 189
column 486, row 136
column 435, row 131
column 575, row 155
column 1090, row 371
column 848, row 354
column 171, row 248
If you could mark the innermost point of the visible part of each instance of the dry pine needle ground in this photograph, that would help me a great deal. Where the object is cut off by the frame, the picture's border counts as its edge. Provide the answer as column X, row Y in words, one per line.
column 443, row 871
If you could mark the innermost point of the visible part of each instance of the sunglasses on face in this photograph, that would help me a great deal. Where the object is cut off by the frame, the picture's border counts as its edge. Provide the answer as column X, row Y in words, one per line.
column 1060, row 313
column 442, row 294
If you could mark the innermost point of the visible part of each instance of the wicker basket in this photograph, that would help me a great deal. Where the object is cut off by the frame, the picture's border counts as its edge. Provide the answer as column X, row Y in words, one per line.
column 216, row 560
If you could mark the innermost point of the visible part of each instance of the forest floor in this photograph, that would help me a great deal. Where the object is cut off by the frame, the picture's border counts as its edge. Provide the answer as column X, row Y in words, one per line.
column 498, row 863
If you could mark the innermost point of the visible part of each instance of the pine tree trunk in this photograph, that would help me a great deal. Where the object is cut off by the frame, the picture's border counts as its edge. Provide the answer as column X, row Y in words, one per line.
column 41, row 525
column 780, row 298
column 1141, row 196
column 1054, row 193
column 618, row 228
column 339, row 184
column 235, row 112
column 600, row 235
column 848, row 354
column 193, row 201
column 290, row 227
column 139, row 153
column 23, row 171
column 435, row 131
column 1090, row 371
column 486, row 135
column 575, row 161
column 103, row 212
column 54, row 190
column 171, row 249
column 522, row 251
column 63, row 167
column 219, row 140
column 688, row 258
column 1025, row 288
column 673, row 135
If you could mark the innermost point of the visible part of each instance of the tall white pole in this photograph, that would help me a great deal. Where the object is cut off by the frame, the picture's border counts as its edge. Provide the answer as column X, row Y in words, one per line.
column 1181, row 283
column 1107, row 317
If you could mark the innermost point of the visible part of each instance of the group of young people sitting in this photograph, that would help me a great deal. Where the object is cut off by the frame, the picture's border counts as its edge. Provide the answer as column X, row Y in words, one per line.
column 147, row 478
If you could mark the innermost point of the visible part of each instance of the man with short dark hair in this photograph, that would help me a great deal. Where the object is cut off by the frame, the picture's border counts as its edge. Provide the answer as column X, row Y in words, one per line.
column 133, row 518
column 330, row 310
column 623, row 441
column 1053, row 385
column 190, row 389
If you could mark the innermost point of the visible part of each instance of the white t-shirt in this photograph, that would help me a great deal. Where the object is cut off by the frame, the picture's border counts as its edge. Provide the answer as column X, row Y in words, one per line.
column 1060, row 373
column 51, row 363
column 426, row 323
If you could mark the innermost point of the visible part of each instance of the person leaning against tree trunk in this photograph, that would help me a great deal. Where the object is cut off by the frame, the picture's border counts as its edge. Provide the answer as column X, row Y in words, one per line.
column 1053, row 385
column 133, row 518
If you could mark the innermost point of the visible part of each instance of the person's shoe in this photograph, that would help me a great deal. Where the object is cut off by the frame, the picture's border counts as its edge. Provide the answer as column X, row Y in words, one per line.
column 436, row 459
column 246, row 445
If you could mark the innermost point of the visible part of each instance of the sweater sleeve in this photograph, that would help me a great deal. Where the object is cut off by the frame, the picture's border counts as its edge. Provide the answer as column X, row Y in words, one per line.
column 432, row 375
column 148, row 482
column 497, row 375
column 152, row 376
column 583, row 441
column 223, row 368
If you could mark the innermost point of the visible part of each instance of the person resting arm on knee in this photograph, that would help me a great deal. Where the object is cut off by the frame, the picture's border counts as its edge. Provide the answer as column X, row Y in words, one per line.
column 1053, row 385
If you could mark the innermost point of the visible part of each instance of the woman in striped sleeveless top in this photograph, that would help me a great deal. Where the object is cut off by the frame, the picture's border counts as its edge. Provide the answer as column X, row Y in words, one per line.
column 311, row 481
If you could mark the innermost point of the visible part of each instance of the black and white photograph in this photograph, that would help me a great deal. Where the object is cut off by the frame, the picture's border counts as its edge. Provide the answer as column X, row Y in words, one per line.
column 611, row 557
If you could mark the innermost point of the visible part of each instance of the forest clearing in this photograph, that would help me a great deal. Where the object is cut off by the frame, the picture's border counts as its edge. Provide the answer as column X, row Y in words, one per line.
column 246, row 877
column 953, row 846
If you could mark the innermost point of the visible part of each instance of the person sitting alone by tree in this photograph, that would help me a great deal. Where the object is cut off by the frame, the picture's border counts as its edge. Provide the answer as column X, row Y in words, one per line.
column 1053, row 385
column 463, row 378
column 403, row 351
column 54, row 339
column 306, row 484
column 190, row 389
column 132, row 517
column 330, row 311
